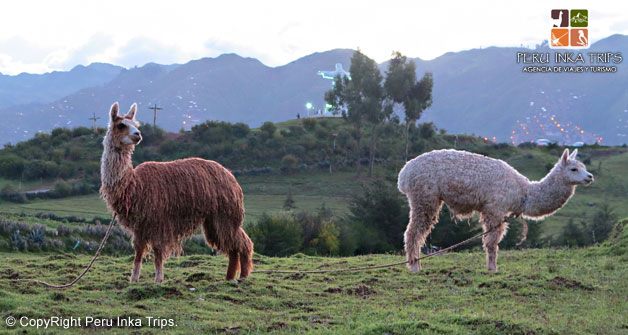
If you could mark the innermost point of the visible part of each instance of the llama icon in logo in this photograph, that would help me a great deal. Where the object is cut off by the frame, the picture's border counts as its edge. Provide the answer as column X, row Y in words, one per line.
column 560, row 17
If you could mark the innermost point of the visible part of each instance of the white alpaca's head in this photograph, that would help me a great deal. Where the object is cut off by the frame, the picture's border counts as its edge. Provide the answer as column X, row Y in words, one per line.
column 571, row 170
column 122, row 131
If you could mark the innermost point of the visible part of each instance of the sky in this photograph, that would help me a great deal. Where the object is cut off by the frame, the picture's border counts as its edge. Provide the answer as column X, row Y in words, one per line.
column 43, row 36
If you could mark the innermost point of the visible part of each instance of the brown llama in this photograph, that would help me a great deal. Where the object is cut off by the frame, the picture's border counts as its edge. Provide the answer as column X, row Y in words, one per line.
column 162, row 203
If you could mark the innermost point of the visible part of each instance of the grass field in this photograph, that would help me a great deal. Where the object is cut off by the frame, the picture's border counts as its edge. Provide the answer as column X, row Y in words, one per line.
column 536, row 292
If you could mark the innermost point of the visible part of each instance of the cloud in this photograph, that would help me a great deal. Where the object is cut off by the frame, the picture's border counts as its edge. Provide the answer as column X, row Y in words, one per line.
column 20, row 49
column 95, row 50
column 19, row 55
column 216, row 47
column 141, row 50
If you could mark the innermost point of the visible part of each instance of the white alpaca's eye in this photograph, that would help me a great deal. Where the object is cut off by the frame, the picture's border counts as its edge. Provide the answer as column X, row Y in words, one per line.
column 574, row 170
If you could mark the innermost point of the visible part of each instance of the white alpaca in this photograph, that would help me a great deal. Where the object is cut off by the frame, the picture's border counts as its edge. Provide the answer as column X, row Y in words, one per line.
column 469, row 182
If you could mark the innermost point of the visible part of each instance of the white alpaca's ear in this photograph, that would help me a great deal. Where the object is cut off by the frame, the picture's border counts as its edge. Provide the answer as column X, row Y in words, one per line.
column 565, row 157
column 574, row 154
column 132, row 111
column 114, row 110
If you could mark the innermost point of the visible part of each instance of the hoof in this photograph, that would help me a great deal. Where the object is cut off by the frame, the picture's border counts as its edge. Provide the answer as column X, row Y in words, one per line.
column 159, row 280
column 492, row 269
column 134, row 279
column 233, row 282
column 414, row 267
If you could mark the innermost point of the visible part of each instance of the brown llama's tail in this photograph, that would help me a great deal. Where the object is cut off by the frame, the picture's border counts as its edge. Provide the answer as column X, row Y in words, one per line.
column 245, row 252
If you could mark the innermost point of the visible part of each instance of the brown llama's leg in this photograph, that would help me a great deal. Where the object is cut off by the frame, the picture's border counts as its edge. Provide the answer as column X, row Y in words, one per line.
column 246, row 254
column 140, row 249
column 211, row 237
column 423, row 216
column 491, row 240
column 234, row 265
column 159, row 264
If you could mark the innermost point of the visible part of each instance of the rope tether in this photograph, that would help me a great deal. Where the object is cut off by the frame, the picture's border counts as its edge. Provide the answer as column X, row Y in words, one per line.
column 89, row 266
column 354, row 269
column 381, row 266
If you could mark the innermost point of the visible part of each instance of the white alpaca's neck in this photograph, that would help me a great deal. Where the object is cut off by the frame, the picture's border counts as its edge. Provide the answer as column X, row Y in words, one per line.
column 115, row 164
column 548, row 195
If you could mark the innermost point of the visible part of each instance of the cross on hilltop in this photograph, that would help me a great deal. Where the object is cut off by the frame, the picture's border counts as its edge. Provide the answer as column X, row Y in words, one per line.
column 155, row 109
column 94, row 118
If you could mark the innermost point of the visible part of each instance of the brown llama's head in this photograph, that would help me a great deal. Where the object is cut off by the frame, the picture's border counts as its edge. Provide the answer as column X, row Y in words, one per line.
column 122, row 131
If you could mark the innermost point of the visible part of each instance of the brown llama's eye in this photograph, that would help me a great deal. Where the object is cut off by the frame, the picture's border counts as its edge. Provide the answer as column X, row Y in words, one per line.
column 121, row 126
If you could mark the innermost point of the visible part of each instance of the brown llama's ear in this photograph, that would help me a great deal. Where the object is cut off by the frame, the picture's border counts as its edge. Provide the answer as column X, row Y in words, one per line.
column 132, row 111
column 114, row 111
column 565, row 157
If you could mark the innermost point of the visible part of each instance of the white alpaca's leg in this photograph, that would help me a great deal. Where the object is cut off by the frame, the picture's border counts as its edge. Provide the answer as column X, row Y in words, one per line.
column 491, row 241
column 423, row 216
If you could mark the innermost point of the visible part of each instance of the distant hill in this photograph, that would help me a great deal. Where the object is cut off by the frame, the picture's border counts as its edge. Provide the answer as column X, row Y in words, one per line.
column 28, row 88
column 479, row 91
column 484, row 91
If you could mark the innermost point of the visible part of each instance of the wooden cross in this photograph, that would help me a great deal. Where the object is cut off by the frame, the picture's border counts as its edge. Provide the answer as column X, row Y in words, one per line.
column 94, row 118
column 155, row 109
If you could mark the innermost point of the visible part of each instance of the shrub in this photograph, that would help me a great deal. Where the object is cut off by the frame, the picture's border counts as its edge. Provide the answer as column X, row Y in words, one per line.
column 427, row 130
column 309, row 124
column 268, row 129
column 36, row 237
column 64, row 231
column 11, row 166
column 62, row 189
column 573, row 235
column 18, row 242
column 289, row 163
column 383, row 212
column 328, row 240
column 602, row 223
column 277, row 235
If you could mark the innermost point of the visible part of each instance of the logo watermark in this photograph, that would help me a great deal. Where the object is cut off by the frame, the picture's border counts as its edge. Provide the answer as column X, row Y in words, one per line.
column 570, row 29
column 89, row 322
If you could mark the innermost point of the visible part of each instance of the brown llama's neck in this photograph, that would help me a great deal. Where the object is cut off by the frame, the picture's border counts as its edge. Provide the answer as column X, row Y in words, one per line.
column 116, row 166
column 548, row 195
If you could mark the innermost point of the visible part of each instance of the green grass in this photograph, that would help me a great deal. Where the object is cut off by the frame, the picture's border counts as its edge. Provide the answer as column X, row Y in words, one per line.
column 536, row 292
column 27, row 185
column 86, row 206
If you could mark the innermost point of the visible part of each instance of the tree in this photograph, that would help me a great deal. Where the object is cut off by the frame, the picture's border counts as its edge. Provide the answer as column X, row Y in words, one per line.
column 289, row 163
column 602, row 223
column 277, row 235
column 403, row 88
column 572, row 235
column 383, row 213
column 268, row 129
column 361, row 100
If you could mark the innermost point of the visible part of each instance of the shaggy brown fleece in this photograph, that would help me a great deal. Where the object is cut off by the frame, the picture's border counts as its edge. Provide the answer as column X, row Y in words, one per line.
column 162, row 203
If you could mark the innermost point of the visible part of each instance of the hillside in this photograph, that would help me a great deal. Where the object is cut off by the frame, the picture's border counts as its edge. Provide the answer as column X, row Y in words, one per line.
column 70, row 159
column 470, row 88
column 578, row 291
column 44, row 88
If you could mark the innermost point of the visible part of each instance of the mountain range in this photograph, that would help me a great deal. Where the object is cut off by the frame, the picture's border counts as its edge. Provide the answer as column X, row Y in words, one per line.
column 478, row 91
